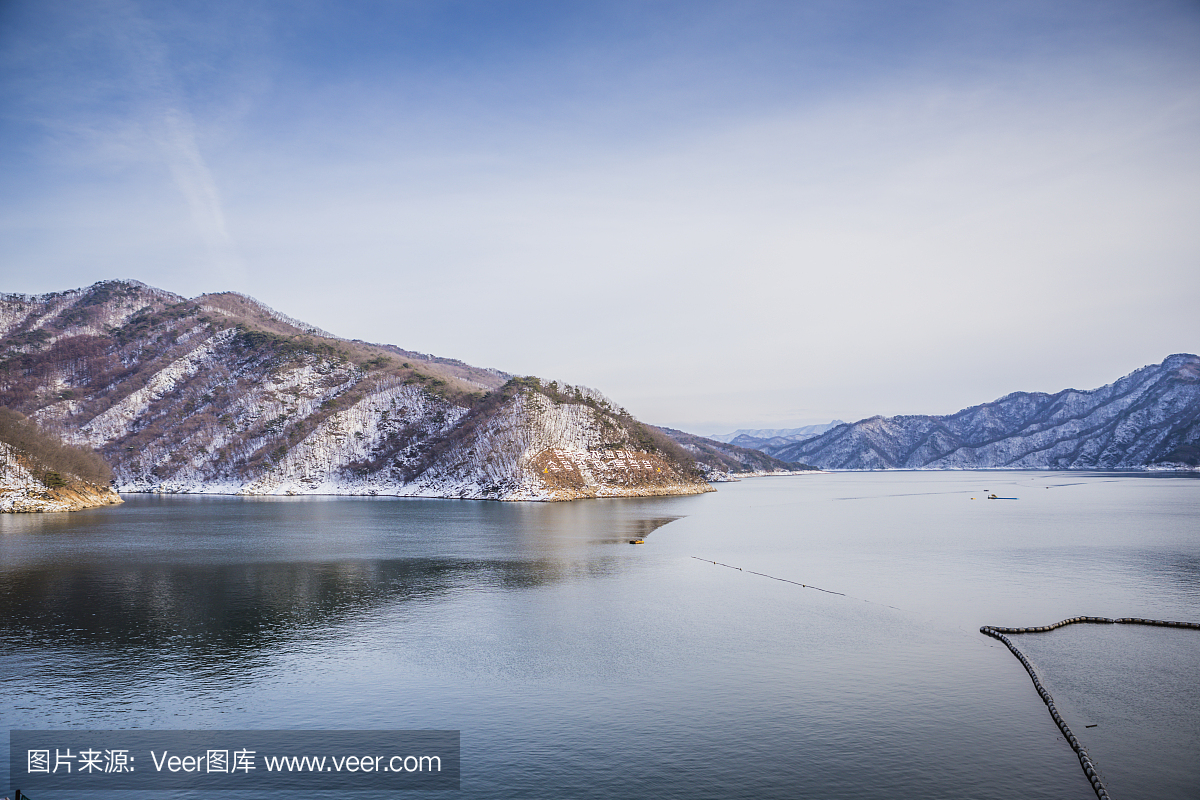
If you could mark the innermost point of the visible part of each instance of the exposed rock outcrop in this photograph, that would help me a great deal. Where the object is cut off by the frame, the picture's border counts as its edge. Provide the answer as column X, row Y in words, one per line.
column 24, row 488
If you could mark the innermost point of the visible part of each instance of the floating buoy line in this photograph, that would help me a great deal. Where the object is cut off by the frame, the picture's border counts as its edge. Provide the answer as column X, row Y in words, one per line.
column 998, row 632
column 1085, row 761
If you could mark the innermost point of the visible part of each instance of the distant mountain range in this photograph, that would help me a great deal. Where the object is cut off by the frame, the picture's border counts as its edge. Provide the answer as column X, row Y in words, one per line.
column 761, row 438
column 1148, row 419
column 723, row 461
column 222, row 394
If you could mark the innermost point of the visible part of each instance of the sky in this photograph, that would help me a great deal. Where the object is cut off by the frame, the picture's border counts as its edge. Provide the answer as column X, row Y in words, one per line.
column 720, row 214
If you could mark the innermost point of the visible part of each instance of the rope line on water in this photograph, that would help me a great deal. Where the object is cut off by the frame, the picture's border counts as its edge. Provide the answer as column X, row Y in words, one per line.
column 772, row 577
column 1085, row 761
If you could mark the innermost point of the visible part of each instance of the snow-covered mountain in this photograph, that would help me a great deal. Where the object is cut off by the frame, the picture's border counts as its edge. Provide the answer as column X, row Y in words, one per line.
column 721, row 461
column 750, row 437
column 1148, row 419
column 221, row 394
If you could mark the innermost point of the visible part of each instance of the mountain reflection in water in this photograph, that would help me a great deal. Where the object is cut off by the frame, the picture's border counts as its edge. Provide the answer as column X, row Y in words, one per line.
column 98, row 598
column 240, row 607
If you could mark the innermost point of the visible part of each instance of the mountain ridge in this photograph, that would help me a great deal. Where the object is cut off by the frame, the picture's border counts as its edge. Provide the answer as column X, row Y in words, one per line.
column 771, row 434
column 1148, row 418
column 222, row 394
column 722, row 461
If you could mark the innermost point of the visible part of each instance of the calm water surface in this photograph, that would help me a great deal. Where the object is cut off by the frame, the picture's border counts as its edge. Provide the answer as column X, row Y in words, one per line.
column 576, row 665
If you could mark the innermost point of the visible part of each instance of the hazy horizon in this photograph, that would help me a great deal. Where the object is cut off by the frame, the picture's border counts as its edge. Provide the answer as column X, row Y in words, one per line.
column 723, row 216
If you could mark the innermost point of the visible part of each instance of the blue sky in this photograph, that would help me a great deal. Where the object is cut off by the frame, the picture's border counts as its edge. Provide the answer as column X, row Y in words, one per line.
column 720, row 214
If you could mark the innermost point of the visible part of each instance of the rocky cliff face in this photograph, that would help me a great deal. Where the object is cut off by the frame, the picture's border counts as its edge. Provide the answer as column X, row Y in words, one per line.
column 24, row 488
column 1149, row 418
column 221, row 394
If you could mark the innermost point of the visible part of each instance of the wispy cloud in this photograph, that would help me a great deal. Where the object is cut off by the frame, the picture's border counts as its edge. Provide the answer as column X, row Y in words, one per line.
column 103, row 88
column 177, row 137
column 168, row 122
